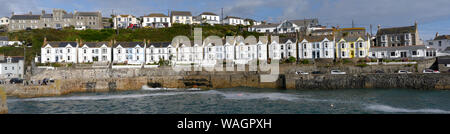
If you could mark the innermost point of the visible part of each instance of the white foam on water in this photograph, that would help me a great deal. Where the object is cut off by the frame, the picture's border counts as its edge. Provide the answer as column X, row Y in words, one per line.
column 146, row 88
column 251, row 96
column 386, row 108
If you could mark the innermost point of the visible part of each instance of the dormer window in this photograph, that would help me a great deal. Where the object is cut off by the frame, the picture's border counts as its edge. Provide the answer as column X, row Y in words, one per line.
column 9, row 60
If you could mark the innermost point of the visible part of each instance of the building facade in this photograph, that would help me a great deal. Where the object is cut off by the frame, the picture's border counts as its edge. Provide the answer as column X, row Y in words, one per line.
column 231, row 20
column 440, row 42
column 402, row 52
column 156, row 20
column 398, row 36
column 181, row 17
column 4, row 21
column 124, row 21
column 56, row 20
column 11, row 67
column 316, row 47
column 129, row 52
column 90, row 52
column 210, row 18
column 59, row 52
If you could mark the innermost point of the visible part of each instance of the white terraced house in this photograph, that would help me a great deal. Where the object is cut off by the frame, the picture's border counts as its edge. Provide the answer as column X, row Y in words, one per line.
column 129, row 52
column 231, row 20
column 412, row 52
column 156, row 20
column 285, row 48
column 90, row 52
column 210, row 18
column 181, row 17
column 318, row 47
column 61, row 52
column 159, row 51
column 124, row 21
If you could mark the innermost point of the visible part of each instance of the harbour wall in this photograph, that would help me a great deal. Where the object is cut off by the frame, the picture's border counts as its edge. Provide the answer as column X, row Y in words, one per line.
column 3, row 106
column 105, row 80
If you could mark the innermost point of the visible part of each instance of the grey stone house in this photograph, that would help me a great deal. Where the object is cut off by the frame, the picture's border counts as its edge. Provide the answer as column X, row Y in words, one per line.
column 57, row 20
column 398, row 36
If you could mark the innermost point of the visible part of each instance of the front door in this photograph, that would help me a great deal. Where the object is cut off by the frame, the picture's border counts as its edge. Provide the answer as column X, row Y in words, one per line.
column 352, row 54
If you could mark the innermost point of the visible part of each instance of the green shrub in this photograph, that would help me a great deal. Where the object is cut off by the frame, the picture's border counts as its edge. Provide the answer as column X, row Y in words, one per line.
column 305, row 61
column 362, row 65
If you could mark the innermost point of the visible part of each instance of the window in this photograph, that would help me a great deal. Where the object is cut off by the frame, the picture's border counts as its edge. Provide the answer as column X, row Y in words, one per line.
column 414, row 52
column 304, row 46
column 118, row 51
column 68, row 57
column 343, row 54
column 281, row 46
column 361, row 53
column 84, row 50
column 326, row 45
column 407, row 37
column 360, row 45
column 326, row 53
column 6, row 68
column 392, row 53
column 68, row 50
column 343, row 45
column 352, row 45
column 440, row 43
column 12, row 68
column 48, row 51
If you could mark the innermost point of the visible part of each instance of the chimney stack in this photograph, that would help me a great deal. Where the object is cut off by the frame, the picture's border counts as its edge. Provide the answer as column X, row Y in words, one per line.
column 379, row 26
column 437, row 34
column 43, row 12
column 415, row 23
column 31, row 13
column 45, row 41
column 12, row 14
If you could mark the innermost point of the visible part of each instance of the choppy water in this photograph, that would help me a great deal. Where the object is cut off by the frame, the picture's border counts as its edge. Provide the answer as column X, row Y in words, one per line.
column 239, row 101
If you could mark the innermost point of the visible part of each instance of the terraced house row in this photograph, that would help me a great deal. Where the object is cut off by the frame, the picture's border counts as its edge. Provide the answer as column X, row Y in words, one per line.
column 210, row 51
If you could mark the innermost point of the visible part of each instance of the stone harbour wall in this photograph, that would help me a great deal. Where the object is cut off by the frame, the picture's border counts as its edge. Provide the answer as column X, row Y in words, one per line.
column 3, row 106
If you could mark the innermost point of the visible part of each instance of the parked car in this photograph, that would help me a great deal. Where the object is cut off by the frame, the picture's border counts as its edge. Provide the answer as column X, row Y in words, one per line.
column 316, row 72
column 404, row 72
column 379, row 72
column 301, row 72
column 337, row 72
column 15, row 80
column 427, row 71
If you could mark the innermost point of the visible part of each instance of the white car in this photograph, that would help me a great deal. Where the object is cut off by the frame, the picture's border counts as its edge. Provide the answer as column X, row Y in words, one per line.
column 404, row 72
column 337, row 72
column 80, row 28
column 301, row 72
column 427, row 71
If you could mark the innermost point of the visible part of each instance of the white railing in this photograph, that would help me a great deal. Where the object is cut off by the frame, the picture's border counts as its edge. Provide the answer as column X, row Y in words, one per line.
column 391, row 63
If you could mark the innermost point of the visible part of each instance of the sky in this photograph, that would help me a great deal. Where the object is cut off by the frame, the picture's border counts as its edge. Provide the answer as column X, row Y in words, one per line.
column 432, row 15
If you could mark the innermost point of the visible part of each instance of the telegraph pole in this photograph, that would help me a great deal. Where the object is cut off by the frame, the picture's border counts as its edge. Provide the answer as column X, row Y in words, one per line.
column 222, row 16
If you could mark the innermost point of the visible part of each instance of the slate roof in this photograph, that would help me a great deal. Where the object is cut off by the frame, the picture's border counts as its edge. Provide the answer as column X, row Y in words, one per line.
column 351, row 38
column 86, row 13
column 208, row 13
column 3, row 38
column 305, row 21
column 61, row 43
column 416, row 47
column 159, row 44
column 396, row 30
column 156, row 15
column 181, row 13
column 266, row 26
column 443, row 37
column 232, row 17
column 95, row 44
column 286, row 39
column 316, row 38
column 443, row 60
column 129, row 44
column 26, row 17
column 14, row 59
